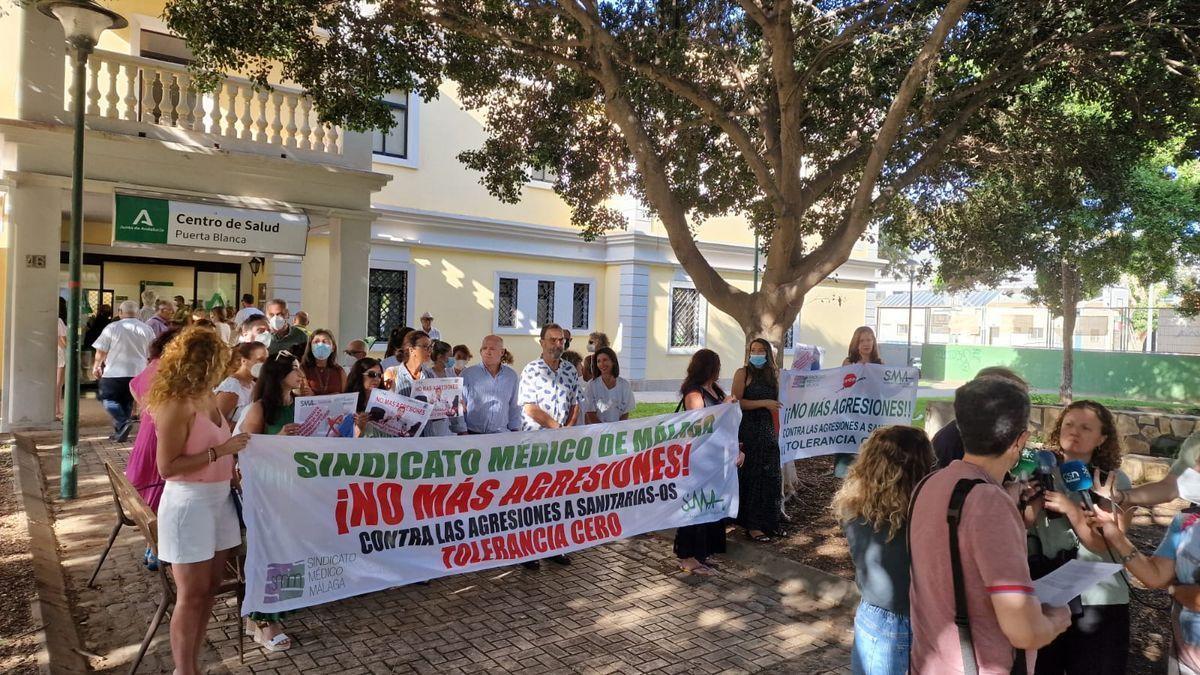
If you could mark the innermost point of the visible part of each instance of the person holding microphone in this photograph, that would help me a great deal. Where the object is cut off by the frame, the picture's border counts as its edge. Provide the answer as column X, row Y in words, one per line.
column 1098, row 640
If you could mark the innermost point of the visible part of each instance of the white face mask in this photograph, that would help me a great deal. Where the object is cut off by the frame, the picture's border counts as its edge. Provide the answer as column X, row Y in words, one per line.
column 277, row 322
column 256, row 370
column 263, row 339
column 1189, row 486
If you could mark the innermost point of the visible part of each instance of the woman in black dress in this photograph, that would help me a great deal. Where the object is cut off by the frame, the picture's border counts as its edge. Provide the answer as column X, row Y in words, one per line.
column 760, row 479
column 695, row 543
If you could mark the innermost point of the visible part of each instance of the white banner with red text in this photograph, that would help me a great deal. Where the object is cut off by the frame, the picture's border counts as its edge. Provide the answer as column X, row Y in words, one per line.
column 833, row 411
column 331, row 518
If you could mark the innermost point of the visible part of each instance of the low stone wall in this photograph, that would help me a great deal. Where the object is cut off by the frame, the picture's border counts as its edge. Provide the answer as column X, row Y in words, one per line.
column 1142, row 432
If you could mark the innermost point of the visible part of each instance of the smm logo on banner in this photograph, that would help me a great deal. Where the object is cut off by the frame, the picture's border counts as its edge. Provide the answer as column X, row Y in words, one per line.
column 285, row 581
column 898, row 376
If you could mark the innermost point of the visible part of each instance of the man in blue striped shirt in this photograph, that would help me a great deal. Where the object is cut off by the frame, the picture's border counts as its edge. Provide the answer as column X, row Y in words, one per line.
column 490, row 388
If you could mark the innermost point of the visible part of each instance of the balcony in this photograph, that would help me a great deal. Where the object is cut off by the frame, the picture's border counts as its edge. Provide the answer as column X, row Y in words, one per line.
column 155, row 99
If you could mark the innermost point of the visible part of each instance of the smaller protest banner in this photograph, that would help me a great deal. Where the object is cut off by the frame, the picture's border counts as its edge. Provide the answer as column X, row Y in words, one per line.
column 833, row 411
column 395, row 415
column 331, row 416
column 445, row 394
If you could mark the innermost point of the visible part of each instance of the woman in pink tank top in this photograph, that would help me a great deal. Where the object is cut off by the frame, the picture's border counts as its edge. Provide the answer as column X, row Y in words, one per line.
column 197, row 522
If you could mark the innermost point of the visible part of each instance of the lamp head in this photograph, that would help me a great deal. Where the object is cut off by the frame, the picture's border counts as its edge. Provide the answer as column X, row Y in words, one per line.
column 82, row 20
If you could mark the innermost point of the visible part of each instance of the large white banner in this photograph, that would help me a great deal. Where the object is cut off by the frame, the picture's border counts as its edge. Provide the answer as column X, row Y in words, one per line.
column 330, row 518
column 832, row 411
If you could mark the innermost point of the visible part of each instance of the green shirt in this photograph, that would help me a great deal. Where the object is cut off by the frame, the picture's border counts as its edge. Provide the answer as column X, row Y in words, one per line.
column 1188, row 453
column 294, row 342
column 1056, row 535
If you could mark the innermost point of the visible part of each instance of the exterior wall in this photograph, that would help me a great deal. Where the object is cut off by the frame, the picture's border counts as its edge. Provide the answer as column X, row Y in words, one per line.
column 314, row 282
column 1117, row 374
column 10, row 32
column 441, row 184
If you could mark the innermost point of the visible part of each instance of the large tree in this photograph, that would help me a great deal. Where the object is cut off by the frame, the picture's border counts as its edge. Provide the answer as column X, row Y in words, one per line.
column 808, row 118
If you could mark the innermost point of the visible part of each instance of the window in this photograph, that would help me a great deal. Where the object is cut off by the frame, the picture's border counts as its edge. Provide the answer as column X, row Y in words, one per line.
column 545, row 302
column 542, row 174
column 580, row 306
column 387, row 301
column 526, row 302
column 394, row 142
column 686, row 327
column 901, row 329
column 940, row 323
column 506, row 303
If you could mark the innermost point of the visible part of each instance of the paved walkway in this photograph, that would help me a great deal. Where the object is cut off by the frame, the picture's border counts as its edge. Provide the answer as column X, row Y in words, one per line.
column 618, row 608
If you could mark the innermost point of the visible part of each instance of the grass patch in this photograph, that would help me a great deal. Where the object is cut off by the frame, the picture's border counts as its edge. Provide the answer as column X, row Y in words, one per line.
column 652, row 409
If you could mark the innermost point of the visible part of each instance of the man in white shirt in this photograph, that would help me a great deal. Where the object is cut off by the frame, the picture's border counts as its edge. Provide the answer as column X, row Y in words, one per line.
column 550, row 394
column 248, row 309
column 121, row 353
column 427, row 327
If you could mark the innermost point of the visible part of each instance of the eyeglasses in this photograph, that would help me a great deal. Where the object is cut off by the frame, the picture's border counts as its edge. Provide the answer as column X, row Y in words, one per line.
column 356, row 352
column 373, row 374
column 283, row 353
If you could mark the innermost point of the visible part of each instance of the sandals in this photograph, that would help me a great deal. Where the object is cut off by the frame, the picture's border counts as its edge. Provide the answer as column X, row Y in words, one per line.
column 761, row 537
column 700, row 570
column 280, row 643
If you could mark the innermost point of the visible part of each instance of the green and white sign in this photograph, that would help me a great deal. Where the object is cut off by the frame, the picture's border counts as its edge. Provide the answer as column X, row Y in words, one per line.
column 146, row 220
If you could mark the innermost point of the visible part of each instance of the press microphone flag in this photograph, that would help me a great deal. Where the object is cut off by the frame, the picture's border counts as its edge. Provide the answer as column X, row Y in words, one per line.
column 1077, row 479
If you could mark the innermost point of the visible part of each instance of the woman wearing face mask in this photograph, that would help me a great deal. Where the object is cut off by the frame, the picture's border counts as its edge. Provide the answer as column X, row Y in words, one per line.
column 596, row 342
column 234, row 392
column 365, row 375
column 273, row 413
column 462, row 358
column 760, row 480
column 441, row 364
column 1098, row 641
column 321, row 370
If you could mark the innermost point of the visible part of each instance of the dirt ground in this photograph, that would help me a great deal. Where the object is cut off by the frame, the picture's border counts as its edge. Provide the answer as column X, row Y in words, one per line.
column 18, row 633
column 821, row 544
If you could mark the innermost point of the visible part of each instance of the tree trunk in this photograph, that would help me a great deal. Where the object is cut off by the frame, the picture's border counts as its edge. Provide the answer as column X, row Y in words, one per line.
column 1070, row 298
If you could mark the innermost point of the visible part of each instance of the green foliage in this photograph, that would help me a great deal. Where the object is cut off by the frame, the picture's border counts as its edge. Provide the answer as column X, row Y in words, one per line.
column 809, row 119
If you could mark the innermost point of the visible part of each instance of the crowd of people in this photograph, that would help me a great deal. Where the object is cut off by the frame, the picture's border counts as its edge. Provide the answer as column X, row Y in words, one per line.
column 945, row 535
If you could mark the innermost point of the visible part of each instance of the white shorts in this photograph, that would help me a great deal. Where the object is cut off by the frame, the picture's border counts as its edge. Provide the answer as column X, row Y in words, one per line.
column 195, row 520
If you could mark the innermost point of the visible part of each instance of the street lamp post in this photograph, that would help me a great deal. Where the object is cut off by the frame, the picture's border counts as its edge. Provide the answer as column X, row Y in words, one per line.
column 83, row 21
column 912, row 272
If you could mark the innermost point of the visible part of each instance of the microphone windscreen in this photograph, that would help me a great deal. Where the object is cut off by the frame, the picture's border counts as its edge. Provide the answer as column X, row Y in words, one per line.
column 1047, row 460
column 1075, row 476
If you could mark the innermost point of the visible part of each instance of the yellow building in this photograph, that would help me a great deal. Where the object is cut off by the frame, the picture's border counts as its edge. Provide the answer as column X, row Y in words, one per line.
column 365, row 231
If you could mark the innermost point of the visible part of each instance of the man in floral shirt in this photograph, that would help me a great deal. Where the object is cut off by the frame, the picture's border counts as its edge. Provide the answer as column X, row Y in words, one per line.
column 551, row 392
column 550, row 396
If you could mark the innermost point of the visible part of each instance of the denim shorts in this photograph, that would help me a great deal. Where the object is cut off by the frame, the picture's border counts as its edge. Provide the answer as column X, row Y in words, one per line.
column 882, row 641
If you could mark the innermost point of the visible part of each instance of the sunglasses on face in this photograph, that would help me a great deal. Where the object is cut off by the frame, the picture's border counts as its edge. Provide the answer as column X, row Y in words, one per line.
column 373, row 374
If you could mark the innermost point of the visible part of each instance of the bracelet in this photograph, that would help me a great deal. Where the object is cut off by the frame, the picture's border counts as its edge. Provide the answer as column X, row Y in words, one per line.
column 1128, row 556
column 212, row 455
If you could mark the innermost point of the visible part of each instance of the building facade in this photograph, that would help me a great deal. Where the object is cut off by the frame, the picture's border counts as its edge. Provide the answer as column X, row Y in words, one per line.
column 210, row 195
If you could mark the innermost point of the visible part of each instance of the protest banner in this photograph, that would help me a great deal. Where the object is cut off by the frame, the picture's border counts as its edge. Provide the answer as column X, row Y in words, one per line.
column 444, row 393
column 397, row 415
column 328, row 519
column 329, row 416
column 833, row 411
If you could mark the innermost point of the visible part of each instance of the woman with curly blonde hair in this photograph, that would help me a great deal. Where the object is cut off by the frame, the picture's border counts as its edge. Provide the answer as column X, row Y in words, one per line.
column 872, row 506
column 197, row 522
column 1097, row 641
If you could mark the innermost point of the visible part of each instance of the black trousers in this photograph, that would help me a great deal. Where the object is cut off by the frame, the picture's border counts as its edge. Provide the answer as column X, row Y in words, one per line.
column 700, row 541
column 1097, row 643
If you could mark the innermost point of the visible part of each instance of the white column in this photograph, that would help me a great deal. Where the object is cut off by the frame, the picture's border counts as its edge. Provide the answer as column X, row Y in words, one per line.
column 31, row 309
column 42, row 66
column 633, row 319
column 349, row 270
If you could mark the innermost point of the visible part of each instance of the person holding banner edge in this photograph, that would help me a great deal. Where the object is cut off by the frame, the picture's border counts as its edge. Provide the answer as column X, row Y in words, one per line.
column 197, row 521
column 694, row 544
column 864, row 348
column 550, row 394
column 760, row 478
column 273, row 412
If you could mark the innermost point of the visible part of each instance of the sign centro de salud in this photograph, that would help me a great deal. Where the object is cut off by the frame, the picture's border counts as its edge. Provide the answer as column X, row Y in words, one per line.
column 147, row 220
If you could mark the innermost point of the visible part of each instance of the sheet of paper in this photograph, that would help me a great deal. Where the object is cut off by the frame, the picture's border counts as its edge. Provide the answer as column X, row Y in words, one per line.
column 1057, row 588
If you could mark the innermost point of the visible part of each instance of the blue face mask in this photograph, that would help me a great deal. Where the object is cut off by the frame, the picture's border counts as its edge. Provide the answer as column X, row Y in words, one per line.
column 758, row 360
column 322, row 350
column 450, row 362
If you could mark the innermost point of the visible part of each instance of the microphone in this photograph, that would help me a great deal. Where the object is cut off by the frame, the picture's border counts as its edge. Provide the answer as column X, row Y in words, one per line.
column 1026, row 466
column 1077, row 479
column 1047, row 466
